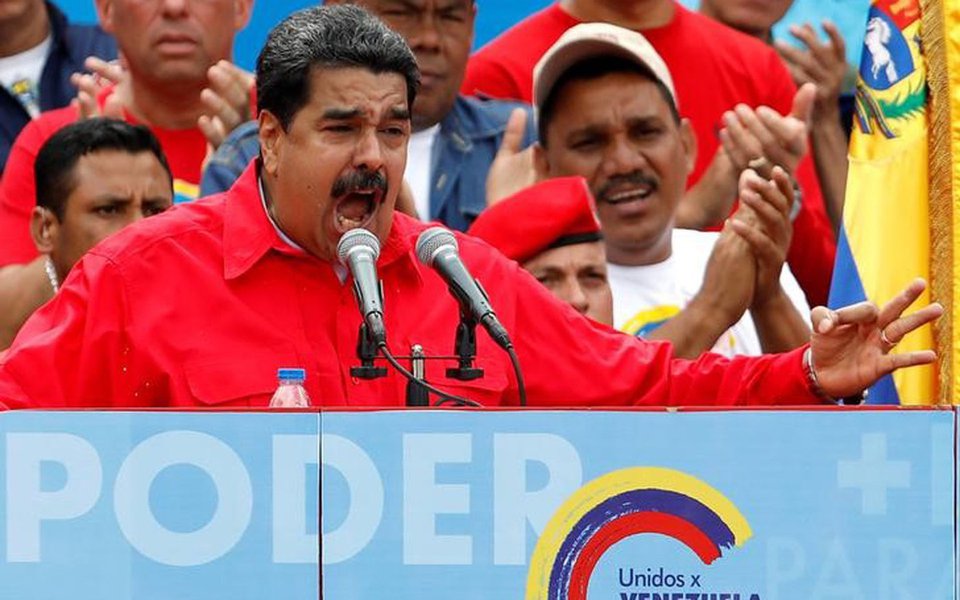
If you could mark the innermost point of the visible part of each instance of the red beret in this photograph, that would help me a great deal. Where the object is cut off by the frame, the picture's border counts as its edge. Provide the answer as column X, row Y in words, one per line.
column 553, row 213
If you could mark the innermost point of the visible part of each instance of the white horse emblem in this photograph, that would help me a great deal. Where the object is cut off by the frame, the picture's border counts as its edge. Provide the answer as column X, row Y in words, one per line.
column 876, row 40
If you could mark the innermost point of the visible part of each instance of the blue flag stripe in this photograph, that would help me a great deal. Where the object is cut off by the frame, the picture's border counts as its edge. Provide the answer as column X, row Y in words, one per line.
column 846, row 288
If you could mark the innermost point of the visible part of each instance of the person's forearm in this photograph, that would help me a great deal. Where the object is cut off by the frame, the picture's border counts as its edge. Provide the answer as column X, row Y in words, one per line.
column 694, row 330
column 708, row 202
column 829, row 145
column 779, row 326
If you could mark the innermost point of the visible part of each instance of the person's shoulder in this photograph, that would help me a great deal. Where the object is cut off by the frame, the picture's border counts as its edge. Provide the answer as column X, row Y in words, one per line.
column 519, row 48
column 243, row 134
column 723, row 41
column 487, row 116
column 519, row 36
column 189, row 226
column 82, row 40
column 50, row 122
column 39, row 130
column 476, row 253
column 241, row 144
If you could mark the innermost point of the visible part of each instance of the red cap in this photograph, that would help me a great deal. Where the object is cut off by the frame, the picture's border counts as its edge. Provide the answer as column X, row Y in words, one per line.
column 553, row 213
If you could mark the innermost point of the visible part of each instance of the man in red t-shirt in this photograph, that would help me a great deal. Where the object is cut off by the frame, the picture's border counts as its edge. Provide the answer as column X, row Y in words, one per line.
column 715, row 68
column 173, row 52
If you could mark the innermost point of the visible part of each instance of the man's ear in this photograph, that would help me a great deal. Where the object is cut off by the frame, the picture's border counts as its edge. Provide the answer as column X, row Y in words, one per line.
column 45, row 229
column 105, row 14
column 473, row 20
column 271, row 135
column 243, row 9
column 689, row 141
column 541, row 164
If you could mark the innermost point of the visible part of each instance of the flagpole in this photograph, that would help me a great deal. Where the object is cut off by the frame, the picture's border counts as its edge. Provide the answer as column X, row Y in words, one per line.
column 943, row 74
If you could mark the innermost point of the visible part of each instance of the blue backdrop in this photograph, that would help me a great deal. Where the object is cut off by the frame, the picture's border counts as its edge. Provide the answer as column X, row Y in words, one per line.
column 496, row 15
column 493, row 17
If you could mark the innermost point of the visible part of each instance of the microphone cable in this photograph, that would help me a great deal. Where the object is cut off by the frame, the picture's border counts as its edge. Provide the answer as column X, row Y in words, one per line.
column 445, row 397
column 521, row 386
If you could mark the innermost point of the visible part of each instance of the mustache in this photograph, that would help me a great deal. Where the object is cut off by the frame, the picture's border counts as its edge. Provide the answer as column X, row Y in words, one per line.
column 359, row 180
column 637, row 178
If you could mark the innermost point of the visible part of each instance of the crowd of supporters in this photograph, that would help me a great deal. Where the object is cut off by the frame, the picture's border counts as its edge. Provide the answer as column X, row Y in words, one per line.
column 674, row 174
column 475, row 141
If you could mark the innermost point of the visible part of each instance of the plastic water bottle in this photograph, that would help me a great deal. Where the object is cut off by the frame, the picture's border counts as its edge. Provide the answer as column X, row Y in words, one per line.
column 290, row 391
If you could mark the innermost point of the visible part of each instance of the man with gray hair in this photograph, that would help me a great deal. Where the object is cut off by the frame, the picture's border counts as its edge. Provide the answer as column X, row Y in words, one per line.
column 455, row 138
column 334, row 90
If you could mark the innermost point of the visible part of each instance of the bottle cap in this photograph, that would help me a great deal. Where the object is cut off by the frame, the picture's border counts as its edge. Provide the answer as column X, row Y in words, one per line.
column 292, row 373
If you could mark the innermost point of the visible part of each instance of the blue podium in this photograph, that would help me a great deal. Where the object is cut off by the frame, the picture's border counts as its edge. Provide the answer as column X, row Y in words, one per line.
column 622, row 505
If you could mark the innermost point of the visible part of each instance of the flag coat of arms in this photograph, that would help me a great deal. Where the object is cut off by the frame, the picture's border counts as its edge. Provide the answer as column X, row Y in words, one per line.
column 884, row 241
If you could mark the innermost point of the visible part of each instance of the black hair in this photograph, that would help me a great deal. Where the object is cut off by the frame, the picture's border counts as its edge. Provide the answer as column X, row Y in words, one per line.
column 589, row 69
column 330, row 37
column 58, row 157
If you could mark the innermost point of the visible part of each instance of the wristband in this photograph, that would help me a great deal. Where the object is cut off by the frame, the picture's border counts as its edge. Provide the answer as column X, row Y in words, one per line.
column 814, row 384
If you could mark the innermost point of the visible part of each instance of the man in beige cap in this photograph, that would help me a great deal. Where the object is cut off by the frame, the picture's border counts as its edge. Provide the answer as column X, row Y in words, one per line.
column 606, row 111
column 725, row 81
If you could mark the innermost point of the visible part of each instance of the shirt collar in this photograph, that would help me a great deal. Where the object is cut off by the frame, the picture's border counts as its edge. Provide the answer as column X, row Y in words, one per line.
column 249, row 233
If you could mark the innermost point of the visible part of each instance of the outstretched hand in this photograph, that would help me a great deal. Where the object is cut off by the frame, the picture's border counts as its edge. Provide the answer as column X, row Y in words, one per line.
column 851, row 346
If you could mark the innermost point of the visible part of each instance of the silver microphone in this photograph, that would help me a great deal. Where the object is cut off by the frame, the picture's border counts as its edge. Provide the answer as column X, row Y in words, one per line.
column 438, row 249
column 358, row 250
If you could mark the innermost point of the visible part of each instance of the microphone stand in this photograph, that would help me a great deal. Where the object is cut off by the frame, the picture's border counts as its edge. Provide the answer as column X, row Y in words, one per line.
column 367, row 351
column 417, row 394
column 465, row 347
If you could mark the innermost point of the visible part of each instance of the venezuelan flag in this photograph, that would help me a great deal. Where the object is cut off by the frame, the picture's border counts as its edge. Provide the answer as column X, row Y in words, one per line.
column 885, row 236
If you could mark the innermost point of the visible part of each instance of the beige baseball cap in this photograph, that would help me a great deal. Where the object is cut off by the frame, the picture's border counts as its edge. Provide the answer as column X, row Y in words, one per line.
column 588, row 40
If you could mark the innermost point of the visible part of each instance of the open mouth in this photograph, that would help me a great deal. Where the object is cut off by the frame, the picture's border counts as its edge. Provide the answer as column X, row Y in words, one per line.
column 357, row 208
column 631, row 194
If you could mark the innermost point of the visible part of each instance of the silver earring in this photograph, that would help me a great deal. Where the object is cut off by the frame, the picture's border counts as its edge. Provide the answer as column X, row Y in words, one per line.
column 51, row 275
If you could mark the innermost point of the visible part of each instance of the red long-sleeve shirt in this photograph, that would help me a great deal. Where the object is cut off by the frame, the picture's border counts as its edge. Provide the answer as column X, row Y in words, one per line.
column 201, row 305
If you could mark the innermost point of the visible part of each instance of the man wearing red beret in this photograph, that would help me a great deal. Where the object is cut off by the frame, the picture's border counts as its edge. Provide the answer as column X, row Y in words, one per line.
column 551, row 229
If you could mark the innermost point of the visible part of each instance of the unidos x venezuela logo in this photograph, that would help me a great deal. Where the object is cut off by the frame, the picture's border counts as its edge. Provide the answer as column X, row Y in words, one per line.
column 622, row 504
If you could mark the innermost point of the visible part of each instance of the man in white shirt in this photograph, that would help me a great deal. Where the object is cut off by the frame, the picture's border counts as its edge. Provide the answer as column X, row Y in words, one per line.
column 607, row 111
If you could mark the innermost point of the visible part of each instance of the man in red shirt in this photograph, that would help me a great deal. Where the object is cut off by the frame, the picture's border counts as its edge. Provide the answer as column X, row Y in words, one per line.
column 715, row 69
column 173, row 51
column 201, row 305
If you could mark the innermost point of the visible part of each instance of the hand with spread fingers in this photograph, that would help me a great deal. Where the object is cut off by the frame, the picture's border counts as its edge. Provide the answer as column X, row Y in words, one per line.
column 89, row 85
column 762, row 135
column 227, row 101
column 822, row 62
column 850, row 347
